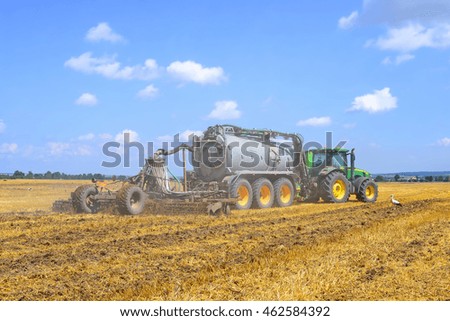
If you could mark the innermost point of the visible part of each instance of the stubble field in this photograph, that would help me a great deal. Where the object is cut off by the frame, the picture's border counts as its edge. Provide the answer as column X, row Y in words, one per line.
column 351, row 251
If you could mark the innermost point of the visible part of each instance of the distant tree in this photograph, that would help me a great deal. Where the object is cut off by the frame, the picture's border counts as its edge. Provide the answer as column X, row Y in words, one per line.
column 38, row 176
column 48, row 175
column 447, row 179
column 379, row 178
column 29, row 175
column 56, row 175
column 396, row 177
column 439, row 178
column 18, row 174
column 99, row 176
column 428, row 178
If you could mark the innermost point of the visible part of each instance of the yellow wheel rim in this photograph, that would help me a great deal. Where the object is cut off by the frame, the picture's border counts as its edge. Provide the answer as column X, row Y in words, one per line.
column 243, row 194
column 339, row 189
column 370, row 191
column 264, row 195
column 285, row 194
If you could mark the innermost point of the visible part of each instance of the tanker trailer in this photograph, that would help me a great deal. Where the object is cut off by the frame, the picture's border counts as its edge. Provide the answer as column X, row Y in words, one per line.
column 260, row 168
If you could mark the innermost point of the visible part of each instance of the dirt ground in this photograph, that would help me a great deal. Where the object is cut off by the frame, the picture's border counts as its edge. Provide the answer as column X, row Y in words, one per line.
column 351, row 251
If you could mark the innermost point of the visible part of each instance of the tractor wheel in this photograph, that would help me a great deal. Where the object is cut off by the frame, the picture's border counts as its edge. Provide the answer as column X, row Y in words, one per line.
column 263, row 195
column 242, row 190
column 335, row 188
column 130, row 199
column 368, row 192
column 83, row 199
column 284, row 192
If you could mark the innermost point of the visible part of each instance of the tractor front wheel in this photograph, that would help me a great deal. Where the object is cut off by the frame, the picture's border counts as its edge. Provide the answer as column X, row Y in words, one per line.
column 368, row 192
column 335, row 188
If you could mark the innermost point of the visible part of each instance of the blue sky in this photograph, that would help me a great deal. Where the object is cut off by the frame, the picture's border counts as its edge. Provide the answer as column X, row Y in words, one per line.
column 77, row 74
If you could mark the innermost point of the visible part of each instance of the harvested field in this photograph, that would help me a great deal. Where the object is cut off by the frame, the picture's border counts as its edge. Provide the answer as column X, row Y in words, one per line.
column 351, row 251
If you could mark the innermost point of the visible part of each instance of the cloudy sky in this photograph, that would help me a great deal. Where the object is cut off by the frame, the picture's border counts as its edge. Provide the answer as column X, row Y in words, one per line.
column 78, row 74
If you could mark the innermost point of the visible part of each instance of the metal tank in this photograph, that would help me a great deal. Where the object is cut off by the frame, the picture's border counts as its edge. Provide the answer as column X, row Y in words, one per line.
column 226, row 150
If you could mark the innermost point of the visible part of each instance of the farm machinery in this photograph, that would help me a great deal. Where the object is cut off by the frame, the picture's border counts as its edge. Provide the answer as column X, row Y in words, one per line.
column 233, row 167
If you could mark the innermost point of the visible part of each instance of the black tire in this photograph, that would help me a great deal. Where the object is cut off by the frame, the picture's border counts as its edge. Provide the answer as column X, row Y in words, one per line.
column 242, row 190
column 368, row 192
column 335, row 188
column 83, row 201
column 284, row 192
column 131, row 200
column 263, row 195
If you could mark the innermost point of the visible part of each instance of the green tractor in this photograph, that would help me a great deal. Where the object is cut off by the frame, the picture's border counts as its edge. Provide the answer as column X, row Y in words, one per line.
column 335, row 178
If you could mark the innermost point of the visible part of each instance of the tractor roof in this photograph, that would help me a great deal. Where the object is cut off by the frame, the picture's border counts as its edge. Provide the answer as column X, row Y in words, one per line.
column 321, row 150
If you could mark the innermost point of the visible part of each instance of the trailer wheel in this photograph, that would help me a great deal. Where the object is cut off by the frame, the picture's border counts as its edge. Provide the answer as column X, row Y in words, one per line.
column 242, row 190
column 284, row 192
column 335, row 188
column 263, row 195
column 83, row 199
column 130, row 199
column 368, row 192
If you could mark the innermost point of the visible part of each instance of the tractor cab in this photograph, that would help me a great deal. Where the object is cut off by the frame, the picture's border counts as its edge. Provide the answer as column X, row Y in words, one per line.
column 343, row 159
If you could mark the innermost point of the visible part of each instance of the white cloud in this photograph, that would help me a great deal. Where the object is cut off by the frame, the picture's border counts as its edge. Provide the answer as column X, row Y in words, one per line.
column 413, row 36
column 348, row 22
column 103, row 32
column 398, row 60
column 82, row 150
column 184, row 136
column 225, row 109
column 148, row 92
column 87, row 99
column 105, row 136
column 133, row 136
column 2, row 126
column 57, row 148
column 112, row 69
column 61, row 148
column 89, row 136
column 444, row 141
column 7, row 148
column 191, row 71
column 411, row 25
column 380, row 100
column 315, row 121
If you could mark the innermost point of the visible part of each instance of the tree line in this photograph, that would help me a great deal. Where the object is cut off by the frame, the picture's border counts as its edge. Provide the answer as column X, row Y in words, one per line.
column 397, row 178
column 56, row 175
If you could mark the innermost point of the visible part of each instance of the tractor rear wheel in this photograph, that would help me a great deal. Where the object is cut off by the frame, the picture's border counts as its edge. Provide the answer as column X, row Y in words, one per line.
column 368, row 192
column 335, row 188
column 242, row 190
column 284, row 192
column 83, row 200
column 263, row 195
column 130, row 199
